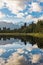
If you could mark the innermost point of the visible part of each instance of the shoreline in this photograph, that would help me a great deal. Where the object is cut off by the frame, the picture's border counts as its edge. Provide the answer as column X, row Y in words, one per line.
column 39, row 35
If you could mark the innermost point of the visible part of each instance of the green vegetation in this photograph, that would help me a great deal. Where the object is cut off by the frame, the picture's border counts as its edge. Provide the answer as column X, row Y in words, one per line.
column 33, row 29
column 38, row 35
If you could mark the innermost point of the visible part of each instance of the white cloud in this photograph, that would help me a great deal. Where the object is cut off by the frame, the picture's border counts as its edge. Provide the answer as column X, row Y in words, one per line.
column 30, row 48
column 2, row 61
column 15, row 6
column 1, row 4
column 26, row 13
column 41, row 17
column 20, row 51
column 36, row 19
column 35, row 7
column 2, row 51
column 2, row 15
column 20, row 15
column 35, row 46
column 40, row 0
column 28, row 18
column 36, row 58
column 31, row 18
column 16, row 59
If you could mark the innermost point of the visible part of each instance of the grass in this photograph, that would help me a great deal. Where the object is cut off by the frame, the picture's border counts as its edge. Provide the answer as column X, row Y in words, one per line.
column 39, row 35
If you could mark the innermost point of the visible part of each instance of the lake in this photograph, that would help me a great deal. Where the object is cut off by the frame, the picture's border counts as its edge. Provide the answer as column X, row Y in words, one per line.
column 21, row 51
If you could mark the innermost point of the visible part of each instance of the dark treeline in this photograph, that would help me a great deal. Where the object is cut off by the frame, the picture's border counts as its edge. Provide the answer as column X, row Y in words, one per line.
column 31, row 28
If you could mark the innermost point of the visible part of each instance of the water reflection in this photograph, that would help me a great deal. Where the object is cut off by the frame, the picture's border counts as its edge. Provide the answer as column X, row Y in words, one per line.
column 31, row 40
column 21, row 51
column 17, row 54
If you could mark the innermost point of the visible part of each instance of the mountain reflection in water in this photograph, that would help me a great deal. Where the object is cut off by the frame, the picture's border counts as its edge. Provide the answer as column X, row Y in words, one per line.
column 31, row 40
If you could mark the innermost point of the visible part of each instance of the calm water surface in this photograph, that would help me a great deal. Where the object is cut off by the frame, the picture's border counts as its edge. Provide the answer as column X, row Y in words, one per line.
column 21, row 51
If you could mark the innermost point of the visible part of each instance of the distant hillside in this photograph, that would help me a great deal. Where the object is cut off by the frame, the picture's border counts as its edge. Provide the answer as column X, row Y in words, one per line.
column 9, row 25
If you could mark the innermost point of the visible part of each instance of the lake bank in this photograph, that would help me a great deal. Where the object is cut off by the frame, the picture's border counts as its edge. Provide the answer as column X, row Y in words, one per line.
column 39, row 35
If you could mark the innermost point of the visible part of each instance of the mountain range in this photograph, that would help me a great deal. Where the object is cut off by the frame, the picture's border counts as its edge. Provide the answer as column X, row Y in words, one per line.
column 10, row 25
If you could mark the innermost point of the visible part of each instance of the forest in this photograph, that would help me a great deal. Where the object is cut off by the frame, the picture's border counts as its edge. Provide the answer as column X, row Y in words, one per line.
column 31, row 28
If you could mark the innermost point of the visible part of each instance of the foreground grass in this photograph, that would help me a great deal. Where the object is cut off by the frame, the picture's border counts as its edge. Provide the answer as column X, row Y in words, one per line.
column 39, row 35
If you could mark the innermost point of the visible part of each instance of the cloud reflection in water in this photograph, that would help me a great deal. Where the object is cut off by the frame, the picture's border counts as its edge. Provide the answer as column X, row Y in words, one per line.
column 21, row 54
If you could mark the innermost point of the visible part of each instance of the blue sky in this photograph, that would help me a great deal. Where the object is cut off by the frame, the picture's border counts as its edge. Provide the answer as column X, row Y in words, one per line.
column 21, row 10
